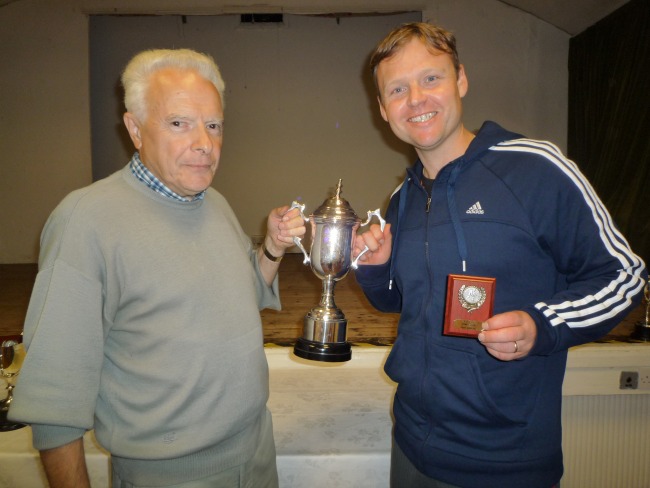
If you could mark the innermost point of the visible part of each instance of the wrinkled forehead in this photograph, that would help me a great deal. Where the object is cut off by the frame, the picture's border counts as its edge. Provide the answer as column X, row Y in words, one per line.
column 170, row 85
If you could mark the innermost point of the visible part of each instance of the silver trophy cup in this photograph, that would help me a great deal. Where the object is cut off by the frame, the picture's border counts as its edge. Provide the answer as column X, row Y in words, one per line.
column 333, row 230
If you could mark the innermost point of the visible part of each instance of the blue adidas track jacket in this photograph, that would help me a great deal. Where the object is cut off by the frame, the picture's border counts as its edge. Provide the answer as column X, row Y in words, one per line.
column 516, row 210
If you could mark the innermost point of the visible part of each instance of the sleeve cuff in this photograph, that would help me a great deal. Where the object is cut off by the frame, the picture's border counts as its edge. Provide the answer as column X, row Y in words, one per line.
column 545, row 342
column 50, row 436
column 267, row 296
column 372, row 275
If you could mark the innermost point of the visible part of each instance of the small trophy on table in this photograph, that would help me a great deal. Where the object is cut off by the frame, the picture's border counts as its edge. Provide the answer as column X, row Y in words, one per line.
column 642, row 329
column 12, row 354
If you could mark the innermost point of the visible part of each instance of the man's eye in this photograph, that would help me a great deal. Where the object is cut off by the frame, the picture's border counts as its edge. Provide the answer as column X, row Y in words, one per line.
column 431, row 79
column 398, row 90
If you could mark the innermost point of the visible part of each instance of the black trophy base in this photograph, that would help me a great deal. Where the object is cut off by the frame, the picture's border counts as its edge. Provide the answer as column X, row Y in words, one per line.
column 641, row 333
column 329, row 352
column 8, row 425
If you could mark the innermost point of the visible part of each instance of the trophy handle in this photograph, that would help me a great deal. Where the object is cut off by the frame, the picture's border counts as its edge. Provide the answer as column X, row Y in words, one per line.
column 382, row 224
column 297, row 240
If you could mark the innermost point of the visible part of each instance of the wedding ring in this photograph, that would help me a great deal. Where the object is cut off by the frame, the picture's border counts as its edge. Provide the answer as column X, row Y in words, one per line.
column 516, row 347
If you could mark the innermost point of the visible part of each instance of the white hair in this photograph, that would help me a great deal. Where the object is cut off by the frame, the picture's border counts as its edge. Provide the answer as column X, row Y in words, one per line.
column 137, row 74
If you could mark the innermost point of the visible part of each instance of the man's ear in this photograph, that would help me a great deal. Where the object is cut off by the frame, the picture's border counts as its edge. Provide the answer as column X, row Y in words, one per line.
column 133, row 126
column 463, row 84
column 382, row 111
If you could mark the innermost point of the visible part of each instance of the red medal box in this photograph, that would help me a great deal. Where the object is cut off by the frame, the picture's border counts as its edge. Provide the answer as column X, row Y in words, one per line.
column 470, row 300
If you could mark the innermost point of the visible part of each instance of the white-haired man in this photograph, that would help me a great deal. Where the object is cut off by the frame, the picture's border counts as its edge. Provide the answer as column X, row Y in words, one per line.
column 144, row 321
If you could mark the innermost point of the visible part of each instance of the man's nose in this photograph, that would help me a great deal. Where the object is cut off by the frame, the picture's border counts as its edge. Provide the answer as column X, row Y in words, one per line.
column 202, row 141
column 415, row 95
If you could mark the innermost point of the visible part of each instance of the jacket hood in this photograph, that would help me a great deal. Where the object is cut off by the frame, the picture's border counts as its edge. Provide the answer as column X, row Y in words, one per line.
column 489, row 135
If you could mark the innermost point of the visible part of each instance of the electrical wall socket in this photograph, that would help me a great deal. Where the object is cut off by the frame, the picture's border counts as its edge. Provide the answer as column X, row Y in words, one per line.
column 629, row 380
column 644, row 379
column 633, row 380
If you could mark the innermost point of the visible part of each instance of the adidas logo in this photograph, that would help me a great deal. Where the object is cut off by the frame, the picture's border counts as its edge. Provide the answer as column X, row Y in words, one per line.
column 475, row 209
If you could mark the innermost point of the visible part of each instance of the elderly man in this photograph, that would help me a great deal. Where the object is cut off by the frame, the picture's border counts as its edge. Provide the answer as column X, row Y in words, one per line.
column 479, row 393
column 144, row 320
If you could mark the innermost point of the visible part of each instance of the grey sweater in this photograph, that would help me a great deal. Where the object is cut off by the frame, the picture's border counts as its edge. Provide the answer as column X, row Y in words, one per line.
column 144, row 325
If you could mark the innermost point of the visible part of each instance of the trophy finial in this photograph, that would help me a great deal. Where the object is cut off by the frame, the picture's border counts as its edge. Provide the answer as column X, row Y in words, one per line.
column 338, row 188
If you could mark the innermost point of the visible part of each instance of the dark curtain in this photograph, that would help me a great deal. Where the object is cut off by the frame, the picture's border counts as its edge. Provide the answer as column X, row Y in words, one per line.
column 609, row 116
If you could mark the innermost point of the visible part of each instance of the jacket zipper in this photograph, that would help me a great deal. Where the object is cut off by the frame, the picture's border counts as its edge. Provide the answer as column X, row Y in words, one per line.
column 430, row 421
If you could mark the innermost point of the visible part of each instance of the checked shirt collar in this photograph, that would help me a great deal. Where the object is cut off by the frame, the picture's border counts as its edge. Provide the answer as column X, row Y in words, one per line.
column 143, row 174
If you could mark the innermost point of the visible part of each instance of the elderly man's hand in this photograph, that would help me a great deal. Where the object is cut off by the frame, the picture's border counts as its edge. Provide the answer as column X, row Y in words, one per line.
column 509, row 335
column 281, row 227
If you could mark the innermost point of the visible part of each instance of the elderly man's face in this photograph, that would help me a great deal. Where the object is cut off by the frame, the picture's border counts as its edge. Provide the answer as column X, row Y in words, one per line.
column 180, row 140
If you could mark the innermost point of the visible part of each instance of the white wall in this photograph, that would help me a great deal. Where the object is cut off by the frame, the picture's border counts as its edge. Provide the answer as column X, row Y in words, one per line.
column 517, row 68
column 299, row 106
column 44, row 118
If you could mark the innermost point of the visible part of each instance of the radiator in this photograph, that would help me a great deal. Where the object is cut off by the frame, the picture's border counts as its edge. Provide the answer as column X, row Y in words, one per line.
column 606, row 441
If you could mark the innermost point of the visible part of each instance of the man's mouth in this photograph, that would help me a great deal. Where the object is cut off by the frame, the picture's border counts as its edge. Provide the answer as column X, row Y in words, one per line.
column 203, row 163
column 423, row 117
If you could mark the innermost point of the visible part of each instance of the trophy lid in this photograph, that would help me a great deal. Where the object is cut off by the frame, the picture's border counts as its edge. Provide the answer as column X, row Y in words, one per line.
column 336, row 209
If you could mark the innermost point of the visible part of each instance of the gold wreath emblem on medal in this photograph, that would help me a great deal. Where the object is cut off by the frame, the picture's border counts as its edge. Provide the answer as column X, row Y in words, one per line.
column 471, row 297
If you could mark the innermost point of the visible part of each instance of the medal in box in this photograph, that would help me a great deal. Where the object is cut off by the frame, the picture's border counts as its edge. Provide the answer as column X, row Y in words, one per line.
column 470, row 300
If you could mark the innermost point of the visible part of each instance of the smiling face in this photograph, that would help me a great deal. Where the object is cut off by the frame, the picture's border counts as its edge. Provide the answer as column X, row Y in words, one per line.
column 420, row 97
column 180, row 139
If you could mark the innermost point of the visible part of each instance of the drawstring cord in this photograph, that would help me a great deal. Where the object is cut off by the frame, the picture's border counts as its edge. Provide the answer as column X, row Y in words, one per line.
column 400, row 211
column 453, row 212
column 455, row 218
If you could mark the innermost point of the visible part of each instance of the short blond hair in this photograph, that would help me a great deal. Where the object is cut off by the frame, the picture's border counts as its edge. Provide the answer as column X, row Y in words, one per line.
column 434, row 37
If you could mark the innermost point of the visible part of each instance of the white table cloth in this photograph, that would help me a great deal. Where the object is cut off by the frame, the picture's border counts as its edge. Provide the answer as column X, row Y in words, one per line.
column 331, row 422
